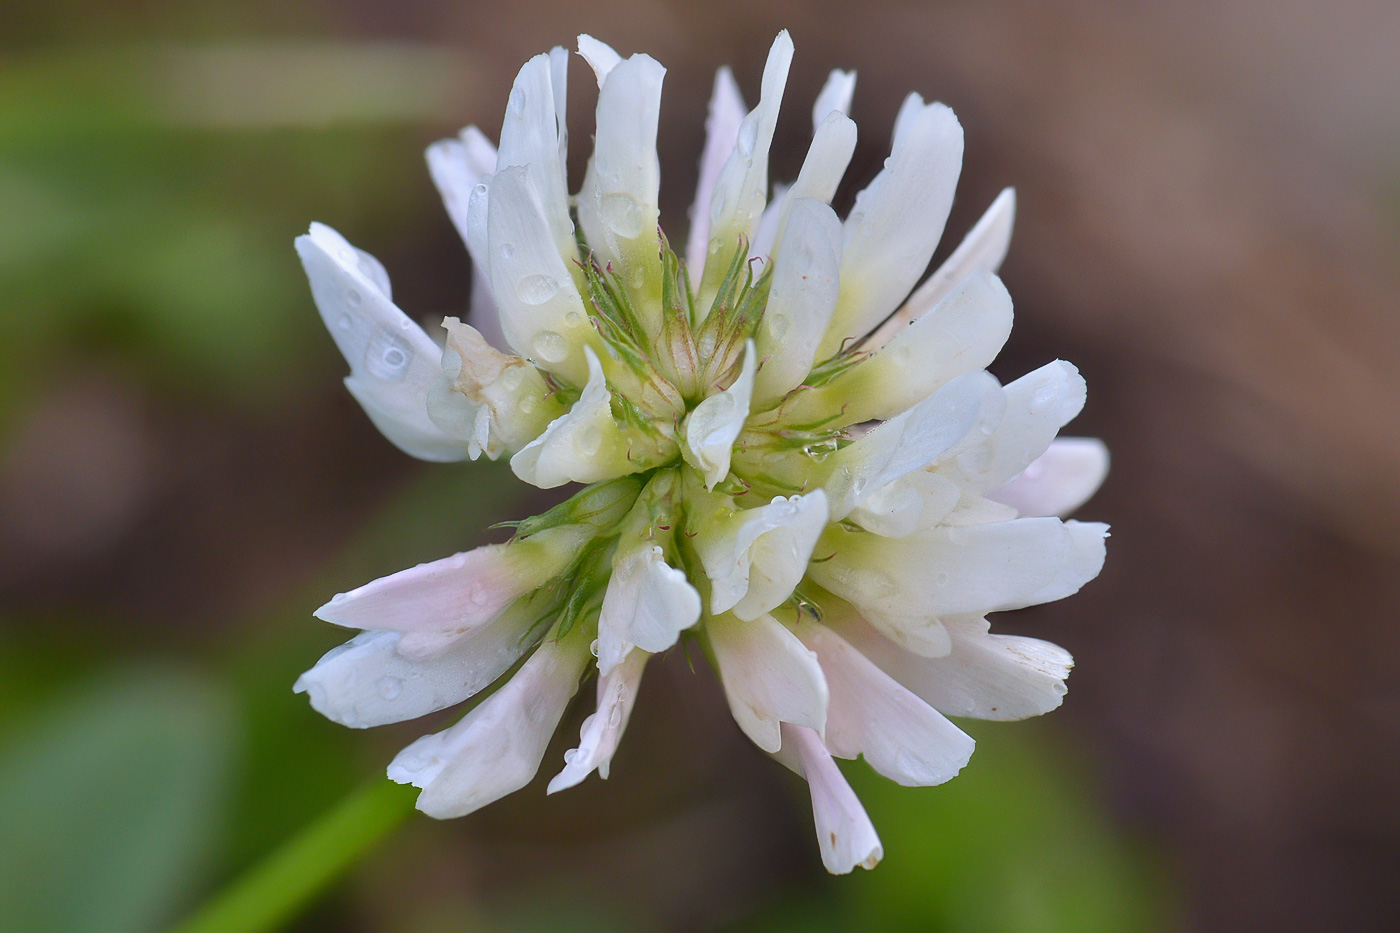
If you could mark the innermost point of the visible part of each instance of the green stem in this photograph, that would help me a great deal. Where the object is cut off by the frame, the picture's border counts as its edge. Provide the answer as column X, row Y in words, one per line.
column 273, row 891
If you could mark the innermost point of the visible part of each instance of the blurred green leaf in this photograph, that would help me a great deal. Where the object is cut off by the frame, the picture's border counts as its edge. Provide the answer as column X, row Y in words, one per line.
column 110, row 801
column 1015, row 842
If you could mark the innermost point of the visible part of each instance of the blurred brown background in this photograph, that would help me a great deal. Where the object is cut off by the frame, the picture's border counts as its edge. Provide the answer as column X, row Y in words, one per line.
column 1209, row 201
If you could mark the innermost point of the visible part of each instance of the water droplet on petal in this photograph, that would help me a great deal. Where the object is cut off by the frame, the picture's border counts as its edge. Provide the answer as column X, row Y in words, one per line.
column 615, row 717
column 573, row 319
column 517, row 99
column 507, row 251
column 353, row 299
column 344, row 322
column 570, row 755
column 389, row 687
column 591, row 442
column 941, row 579
column 387, row 357
column 593, row 648
column 550, row 346
column 477, row 594
column 621, row 213
column 536, row 289
column 777, row 325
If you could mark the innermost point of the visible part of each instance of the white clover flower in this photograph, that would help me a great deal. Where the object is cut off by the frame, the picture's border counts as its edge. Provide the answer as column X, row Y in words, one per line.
column 795, row 456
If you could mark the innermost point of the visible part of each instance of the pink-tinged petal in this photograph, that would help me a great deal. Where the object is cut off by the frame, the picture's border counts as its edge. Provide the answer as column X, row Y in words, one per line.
column 870, row 714
column 1059, row 480
column 496, row 749
column 383, row 677
column 602, row 731
column 769, row 677
column 845, row 835
column 459, row 592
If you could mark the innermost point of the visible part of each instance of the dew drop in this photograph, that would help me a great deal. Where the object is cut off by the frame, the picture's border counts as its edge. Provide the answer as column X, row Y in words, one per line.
column 621, row 213
column 528, row 404
column 573, row 319
column 511, row 378
column 507, row 251
column 477, row 594
column 593, row 648
column 777, row 325
column 615, row 718
column 517, row 99
column 344, row 322
column 570, row 755
column 941, row 579
column 389, row 687
column 591, row 442
column 550, row 346
column 387, row 357
column 882, row 585
column 536, row 289
column 638, row 277
column 353, row 298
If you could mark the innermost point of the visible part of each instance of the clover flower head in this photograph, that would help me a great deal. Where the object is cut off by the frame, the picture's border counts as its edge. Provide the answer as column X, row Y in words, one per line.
column 790, row 451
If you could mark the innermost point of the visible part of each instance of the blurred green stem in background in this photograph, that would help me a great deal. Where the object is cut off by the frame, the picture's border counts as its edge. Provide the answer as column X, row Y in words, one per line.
column 276, row 889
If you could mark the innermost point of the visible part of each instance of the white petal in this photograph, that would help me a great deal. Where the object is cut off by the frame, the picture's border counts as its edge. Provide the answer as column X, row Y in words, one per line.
column 457, row 166
column 896, row 223
column 982, row 250
column 962, row 335
column 929, row 431
column 727, row 111
column 617, row 206
column 870, row 714
column 901, row 585
column 915, row 500
column 755, row 557
column 485, row 311
column 497, row 747
column 459, row 592
column 835, row 96
column 1037, row 406
column 601, row 57
column 584, row 445
column 1082, row 562
column 984, row 676
column 801, row 299
column 1059, row 480
column 909, row 110
column 765, row 234
column 647, row 604
column 531, row 137
column 714, row 424
column 742, row 187
column 393, row 363
column 768, row 676
column 376, row 679
column 822, row 170
column 542, row 313
column 602, row 731
column 845, row 834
